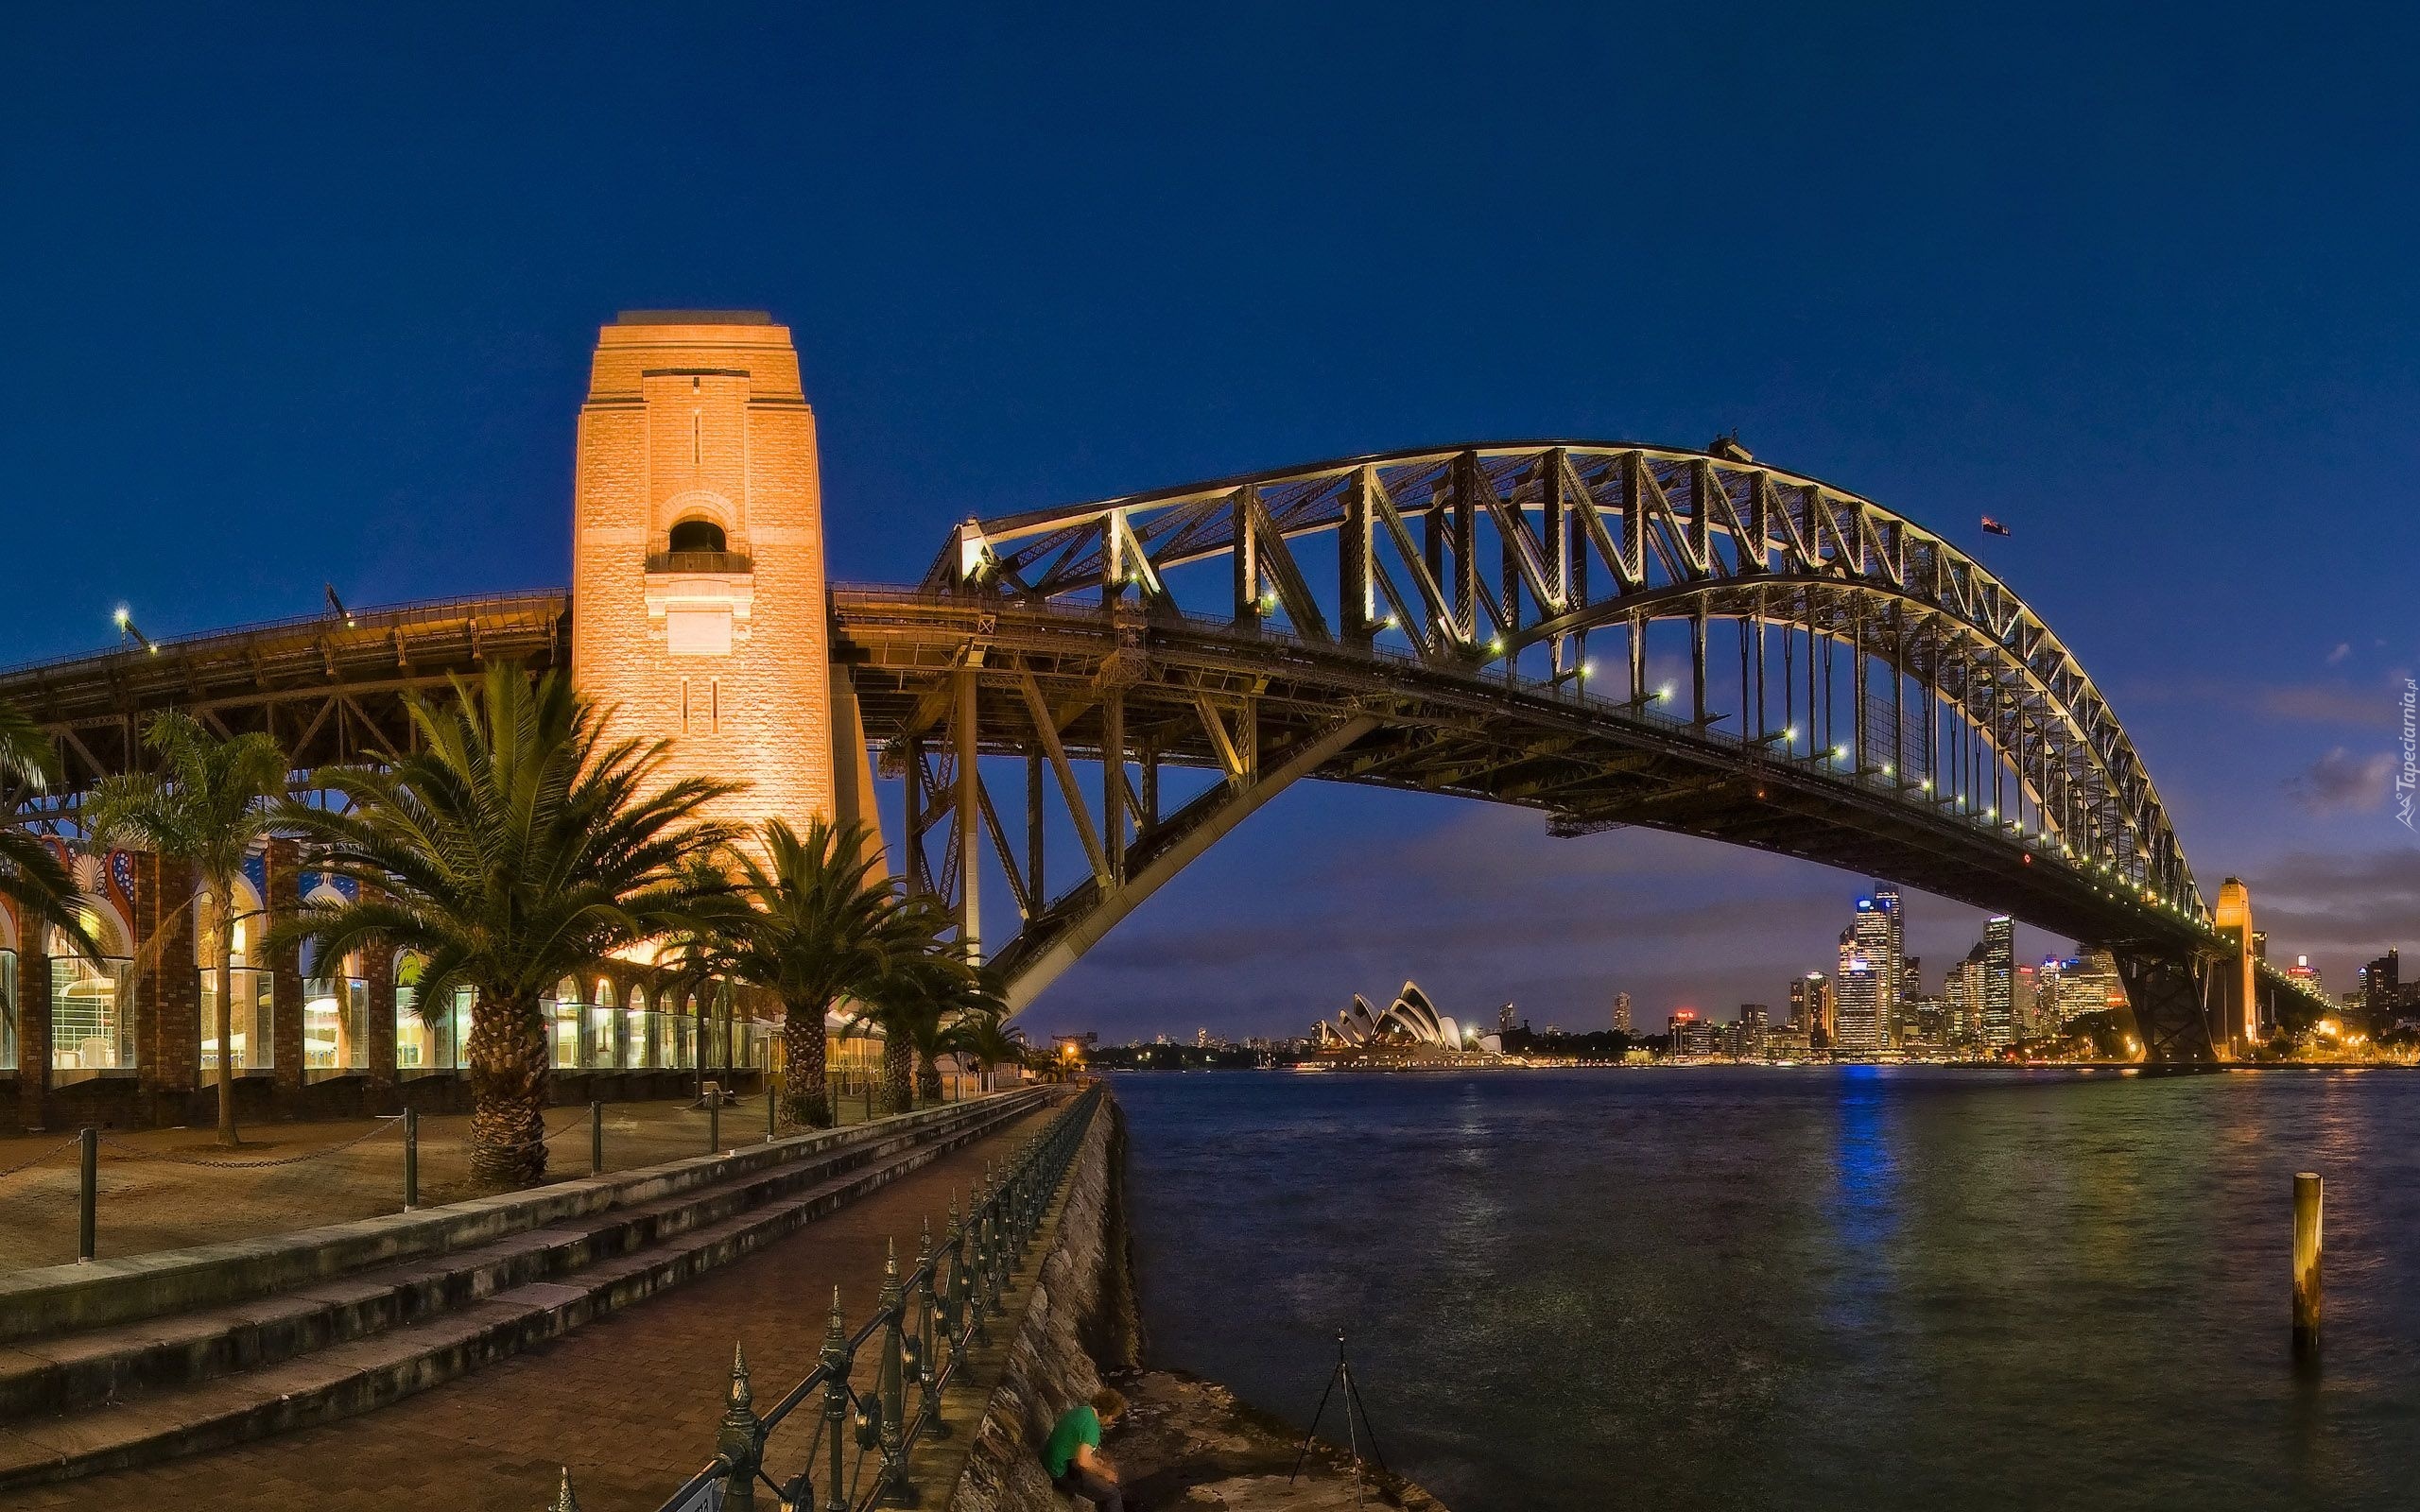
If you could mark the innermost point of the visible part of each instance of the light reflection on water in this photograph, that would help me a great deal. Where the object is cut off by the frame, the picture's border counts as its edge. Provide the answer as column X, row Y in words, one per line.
column 1862, row 1288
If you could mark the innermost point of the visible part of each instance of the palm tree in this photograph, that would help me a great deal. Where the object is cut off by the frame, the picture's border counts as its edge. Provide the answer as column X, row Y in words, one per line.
column 512, row 848
column 925, row 1008
column 994, row 1042
column 32, row 874
column 818, row 926
column 214, row 801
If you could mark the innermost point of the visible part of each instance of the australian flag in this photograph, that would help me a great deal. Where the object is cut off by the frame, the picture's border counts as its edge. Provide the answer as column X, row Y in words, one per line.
column 1993, row 528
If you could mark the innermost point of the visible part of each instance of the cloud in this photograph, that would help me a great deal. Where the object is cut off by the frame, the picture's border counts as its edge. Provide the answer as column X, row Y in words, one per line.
column 2358, row 902
column 2343, row 649
column 2341, row 783
column 2335, row 706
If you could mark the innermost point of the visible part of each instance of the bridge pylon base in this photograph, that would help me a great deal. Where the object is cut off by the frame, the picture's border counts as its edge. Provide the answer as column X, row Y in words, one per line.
column 2175, row 1008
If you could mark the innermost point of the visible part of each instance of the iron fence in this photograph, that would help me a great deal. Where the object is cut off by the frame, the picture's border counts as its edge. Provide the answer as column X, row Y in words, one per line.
column 924, row 1323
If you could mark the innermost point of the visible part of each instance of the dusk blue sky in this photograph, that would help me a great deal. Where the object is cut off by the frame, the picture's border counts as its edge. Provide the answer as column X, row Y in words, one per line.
column 307, row 295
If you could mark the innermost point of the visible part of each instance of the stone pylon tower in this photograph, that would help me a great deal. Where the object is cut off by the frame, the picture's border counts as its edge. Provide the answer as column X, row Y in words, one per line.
column 2238, row 978
column 699, row 611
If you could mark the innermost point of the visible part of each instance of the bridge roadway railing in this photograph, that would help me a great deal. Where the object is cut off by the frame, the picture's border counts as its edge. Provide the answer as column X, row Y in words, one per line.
column 871, row 1423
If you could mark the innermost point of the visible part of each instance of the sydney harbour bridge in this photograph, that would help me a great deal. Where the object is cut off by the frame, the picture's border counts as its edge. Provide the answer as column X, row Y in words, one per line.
column 1082, row 701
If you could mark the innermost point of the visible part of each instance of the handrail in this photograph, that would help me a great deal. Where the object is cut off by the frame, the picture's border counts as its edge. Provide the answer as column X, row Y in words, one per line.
column 944, row 1306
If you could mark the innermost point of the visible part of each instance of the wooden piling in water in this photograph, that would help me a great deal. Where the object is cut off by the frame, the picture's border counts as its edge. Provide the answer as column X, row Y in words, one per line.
column 2308, row 1192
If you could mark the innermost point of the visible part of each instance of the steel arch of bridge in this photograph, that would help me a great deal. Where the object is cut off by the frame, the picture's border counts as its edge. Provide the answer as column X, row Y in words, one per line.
column 1502, row 559
column 1892, row 707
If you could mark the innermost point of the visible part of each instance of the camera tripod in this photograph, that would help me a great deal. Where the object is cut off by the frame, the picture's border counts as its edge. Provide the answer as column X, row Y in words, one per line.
column 1340, row 1387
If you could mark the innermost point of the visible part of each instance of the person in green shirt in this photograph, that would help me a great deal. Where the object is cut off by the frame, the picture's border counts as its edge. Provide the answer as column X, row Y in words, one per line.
column 1073, row 1455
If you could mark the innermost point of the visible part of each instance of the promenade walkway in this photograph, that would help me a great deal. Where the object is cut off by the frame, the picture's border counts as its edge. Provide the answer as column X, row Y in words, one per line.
column 167, row 1189
column 629, row 1403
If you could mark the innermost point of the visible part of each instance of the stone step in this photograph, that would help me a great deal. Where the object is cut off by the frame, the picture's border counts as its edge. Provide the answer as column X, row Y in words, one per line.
column 356, row 1374
column 49, row 1301
column 86, row 1368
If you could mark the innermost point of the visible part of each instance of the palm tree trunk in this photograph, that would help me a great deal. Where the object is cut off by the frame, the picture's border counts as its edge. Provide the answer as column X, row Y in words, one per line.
column 898, row 1065
column 510, row 1068
column 805, row 1053
column 928, row 1076
column 222, row 907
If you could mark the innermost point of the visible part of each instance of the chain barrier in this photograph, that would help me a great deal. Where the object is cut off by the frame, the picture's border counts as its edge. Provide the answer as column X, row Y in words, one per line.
column 68, row 1144
column 136, row 1152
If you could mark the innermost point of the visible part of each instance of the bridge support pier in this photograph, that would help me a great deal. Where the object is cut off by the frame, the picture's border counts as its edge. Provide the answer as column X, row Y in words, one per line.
column 2172, row 998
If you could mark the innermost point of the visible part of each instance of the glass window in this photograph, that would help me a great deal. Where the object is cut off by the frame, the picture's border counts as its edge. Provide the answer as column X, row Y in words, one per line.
column 91, row 1017
column 335, row 1023
column 248, row 1019
column 562, row 1016
column 421, row 1045
column 8, row 1010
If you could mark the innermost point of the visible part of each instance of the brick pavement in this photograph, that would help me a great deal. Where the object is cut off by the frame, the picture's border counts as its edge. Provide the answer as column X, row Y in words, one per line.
column 629, row 1403
column 147, row 1203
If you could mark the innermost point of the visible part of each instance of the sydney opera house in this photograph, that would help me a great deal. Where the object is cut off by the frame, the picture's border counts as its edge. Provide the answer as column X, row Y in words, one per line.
column 1410, row 1028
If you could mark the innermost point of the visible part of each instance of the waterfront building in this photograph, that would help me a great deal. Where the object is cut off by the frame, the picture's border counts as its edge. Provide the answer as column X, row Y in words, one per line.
column 1927, row 1021
column 2381, row 987
column 2090, row 984
column 1998, row 946
column 1812, row 1008
column 1961, row 989
column 1621, row 1013
column 1911, row 990
column 1685, row 1034
column 1411, row 1021
column 2026, row 1002
column 1871, row 966
column 2302, row 971
column 1754, row 1021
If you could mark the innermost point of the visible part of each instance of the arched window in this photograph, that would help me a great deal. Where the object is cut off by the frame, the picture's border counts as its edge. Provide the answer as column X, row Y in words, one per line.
column 563, row 1014
column 698, row 535
column 92, row 1021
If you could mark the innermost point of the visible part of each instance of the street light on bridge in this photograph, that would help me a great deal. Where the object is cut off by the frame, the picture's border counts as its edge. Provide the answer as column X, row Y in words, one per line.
column 125, row 618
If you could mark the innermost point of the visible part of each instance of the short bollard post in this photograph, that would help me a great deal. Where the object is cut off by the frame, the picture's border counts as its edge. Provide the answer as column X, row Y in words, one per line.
column 88, row 1196
column 2308, row 1192
column 837, row 1404
column 891, row 1382
column 595, row 1139
column 411, row 1160
column 740, row 1442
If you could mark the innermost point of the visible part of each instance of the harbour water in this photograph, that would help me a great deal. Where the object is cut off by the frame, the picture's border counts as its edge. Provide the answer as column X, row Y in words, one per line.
column 1815, row 1288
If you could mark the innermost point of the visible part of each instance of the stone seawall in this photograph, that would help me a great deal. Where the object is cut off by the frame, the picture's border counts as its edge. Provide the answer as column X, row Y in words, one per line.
column 1187, row 1444
column 1079, row 1324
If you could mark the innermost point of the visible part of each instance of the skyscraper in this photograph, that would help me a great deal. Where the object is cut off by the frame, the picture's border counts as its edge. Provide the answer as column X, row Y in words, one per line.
column 1810, row 1008
column 2382, row 984
column 1999, row 981
column 1871, row 966
column 1621, row 1013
